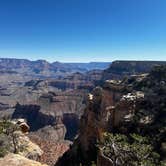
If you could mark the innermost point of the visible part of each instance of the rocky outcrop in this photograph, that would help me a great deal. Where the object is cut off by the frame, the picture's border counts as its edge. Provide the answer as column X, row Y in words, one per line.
column 28, row 148
column 14, row 140
column 18, row 160
column 134, row 105
column 93, row 123
column 121, row 69
column 22, row 124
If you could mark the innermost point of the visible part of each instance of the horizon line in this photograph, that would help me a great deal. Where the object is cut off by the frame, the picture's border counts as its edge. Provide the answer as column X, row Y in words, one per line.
column 33, row 60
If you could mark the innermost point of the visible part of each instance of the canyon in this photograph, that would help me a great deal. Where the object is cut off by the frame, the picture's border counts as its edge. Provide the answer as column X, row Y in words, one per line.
column 68, row 107
column 120, row 117
column 50, row 97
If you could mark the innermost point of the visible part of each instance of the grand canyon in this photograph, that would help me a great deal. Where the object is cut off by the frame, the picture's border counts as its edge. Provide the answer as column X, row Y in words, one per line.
column 68, row 114
column 82, row 83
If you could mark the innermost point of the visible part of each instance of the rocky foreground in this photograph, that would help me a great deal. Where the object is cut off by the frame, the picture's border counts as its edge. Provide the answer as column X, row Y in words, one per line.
column 16, row 148
column 18, row 160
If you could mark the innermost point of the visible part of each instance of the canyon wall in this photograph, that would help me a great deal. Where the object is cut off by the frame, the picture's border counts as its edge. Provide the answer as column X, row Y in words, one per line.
column 133, row 105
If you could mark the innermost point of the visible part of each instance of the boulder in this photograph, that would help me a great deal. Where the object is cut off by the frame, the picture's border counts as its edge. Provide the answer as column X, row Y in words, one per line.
column 18, row 160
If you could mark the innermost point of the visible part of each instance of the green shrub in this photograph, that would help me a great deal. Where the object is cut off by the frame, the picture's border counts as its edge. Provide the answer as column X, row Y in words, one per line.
column 8, row 137
column 130, row 150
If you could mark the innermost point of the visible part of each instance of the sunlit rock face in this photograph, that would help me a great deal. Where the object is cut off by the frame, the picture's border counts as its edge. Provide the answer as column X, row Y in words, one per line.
column 57, row 88
column 16, row 145
column 93, row 122
column 30, row 150
column 50, row 97
column 53, row 107
column 132, row 105
column 69, row 108
column 121, row 69
column 18, row 160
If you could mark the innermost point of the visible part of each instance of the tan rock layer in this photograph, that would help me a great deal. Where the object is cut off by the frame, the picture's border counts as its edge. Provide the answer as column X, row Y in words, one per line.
column 18, row 160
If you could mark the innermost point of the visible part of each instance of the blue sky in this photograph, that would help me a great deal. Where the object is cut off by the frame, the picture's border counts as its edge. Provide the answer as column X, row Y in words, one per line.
column 83, row 30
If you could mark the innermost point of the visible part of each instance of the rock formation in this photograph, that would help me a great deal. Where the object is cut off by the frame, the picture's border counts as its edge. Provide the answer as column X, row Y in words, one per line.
column 18, row 160
column 121, row 69
column 16, row 148
column 53, row 104
column 132, row 110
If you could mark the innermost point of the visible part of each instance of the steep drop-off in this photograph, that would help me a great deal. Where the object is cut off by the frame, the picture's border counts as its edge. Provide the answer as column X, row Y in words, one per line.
column 121, row 116
column 120, row 69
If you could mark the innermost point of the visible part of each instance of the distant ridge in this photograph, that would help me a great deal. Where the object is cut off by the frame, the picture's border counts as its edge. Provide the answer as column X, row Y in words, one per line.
column 44, row 68
column 43, row 60
column 122, row 68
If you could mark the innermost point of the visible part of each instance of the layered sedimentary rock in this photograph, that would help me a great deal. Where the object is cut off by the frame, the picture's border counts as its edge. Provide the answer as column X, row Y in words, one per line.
column 121, row 69
column 66, row 106
column 42, row 68
column 94, row 122
column 54, row 106
column 134, row 105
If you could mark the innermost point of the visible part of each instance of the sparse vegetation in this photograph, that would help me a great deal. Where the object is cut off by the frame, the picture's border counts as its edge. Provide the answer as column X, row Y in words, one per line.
column 148, row 122
column 132, row 150
column 8, row 137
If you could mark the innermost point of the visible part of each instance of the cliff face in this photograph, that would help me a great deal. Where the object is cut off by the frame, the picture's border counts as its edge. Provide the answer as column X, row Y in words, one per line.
column 121, row 69
column 138, row 118
column 34, row 117
column 94, row 122
column 132, row 110
column 52, row 106
column 61, row 117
